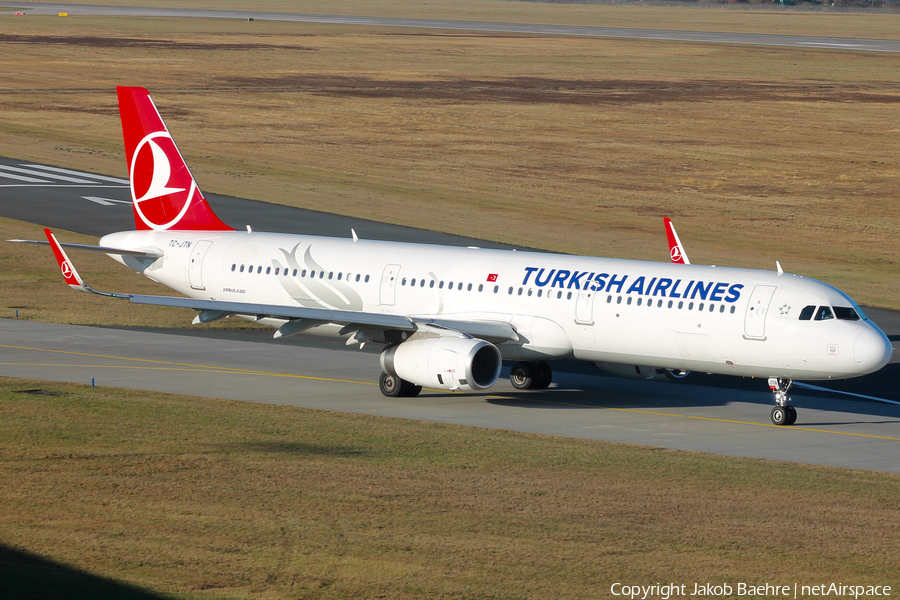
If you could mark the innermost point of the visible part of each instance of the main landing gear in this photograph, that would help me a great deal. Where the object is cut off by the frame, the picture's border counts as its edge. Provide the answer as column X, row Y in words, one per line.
column 783, row 413
column 393, row 386
column 531, row 375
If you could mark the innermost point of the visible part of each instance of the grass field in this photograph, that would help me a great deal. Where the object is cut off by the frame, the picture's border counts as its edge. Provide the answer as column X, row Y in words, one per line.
column 574, row 145
column 204, row 498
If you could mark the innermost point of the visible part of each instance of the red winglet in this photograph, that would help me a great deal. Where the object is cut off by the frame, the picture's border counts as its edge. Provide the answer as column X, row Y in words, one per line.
column 65, row 265
column 676, row 250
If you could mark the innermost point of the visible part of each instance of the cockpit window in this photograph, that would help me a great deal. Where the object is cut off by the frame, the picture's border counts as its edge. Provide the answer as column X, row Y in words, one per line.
column 807, row 313
column 844, row 313
column 824, row 313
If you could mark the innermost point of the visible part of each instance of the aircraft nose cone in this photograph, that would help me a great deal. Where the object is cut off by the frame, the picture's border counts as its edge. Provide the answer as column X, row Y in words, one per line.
column 872, row 350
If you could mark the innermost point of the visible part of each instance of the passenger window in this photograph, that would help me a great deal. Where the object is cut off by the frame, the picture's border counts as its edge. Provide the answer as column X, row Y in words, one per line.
column 700, row 308
column 450, row 286
column 412, row 283
column 422, row 283
column 558, row 295
column 609, row 299
column 295, row 272
column 722, row 308
column 367, row 279
column 690, row 306
column 268, row 270
column 824, row 313
column 330, row 274
column 670, row 303
column 431, row 283
column 469, row 288
column 659, row 304
column 357, row 276
column 732, row 309
column 845, row 314
column 569, row 296
column 250, row 270
column 441, row 285
column 480, row 286
column 619, row 300
column 233, row 267
column 496, row 288
column 259, row 270
column 520, row 291
column 680, row 305
column 540, row 292
column 712, row 307
column 242, row 268
column 510, row 291
column 640, row 300
column 339, row 276
column 312, row 274
column 459, row 286
column 529, row 291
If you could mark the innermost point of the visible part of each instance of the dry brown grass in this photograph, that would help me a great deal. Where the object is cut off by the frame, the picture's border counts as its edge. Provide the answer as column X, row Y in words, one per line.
column 216, row 499
column 568, row 144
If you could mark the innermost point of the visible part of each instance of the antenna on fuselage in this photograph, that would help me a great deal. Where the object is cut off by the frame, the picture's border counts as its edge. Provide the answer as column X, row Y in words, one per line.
column 778, row 266
column 353, row 233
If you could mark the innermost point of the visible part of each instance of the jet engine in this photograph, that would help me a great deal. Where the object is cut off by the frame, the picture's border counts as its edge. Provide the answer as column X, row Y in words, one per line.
column 640, row 372
column 447, row 363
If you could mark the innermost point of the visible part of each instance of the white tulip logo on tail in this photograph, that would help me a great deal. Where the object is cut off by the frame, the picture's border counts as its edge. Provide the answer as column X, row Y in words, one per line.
column 161, row 198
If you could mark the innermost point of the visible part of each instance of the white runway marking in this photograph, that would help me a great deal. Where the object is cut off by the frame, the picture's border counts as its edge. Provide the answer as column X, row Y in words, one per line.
column 70, row 172
column 47, row 175
column 43, row 176
column 106, row 201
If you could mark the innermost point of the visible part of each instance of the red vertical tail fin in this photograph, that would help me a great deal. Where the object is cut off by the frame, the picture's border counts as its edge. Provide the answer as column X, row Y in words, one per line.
column 163, row 190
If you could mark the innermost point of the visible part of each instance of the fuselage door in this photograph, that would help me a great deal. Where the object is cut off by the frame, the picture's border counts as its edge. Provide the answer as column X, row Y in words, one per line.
column 584, row 307
column 387, row 292
column 195, row 270
column 755, row 319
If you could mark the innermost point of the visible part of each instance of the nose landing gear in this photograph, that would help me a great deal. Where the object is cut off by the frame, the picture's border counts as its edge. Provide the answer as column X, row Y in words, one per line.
column 783, row 413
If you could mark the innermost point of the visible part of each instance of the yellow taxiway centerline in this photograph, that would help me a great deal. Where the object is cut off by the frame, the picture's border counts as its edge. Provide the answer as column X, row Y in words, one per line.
column 214, row 369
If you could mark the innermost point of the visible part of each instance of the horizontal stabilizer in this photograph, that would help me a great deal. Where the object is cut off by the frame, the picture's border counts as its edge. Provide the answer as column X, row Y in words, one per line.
column 143, row 253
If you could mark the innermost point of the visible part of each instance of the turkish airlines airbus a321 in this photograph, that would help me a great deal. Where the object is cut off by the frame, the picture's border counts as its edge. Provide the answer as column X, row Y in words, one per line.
column 448, row 316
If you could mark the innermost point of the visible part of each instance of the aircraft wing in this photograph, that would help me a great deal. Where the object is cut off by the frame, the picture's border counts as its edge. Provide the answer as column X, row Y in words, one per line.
column 299, row 318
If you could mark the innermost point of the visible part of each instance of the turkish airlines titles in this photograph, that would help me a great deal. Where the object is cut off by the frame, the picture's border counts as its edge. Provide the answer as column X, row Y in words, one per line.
column 657, row 286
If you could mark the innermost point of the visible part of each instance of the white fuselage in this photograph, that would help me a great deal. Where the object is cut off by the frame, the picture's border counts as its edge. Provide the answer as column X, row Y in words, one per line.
column 691, row 317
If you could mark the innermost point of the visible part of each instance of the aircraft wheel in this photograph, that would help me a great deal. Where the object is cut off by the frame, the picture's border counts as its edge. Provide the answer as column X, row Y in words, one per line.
column 792, row 415
column 543, row 376
column 409, row 390
column 390, row 385
column 521, row 376
column 780, row 415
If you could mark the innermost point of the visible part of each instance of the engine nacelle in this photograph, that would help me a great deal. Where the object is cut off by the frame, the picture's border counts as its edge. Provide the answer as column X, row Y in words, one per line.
column 640, row 372
column 447, row 363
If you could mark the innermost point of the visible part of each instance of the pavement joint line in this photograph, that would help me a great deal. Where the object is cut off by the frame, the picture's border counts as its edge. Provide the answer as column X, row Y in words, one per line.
column 662, row 414
column 209, row 368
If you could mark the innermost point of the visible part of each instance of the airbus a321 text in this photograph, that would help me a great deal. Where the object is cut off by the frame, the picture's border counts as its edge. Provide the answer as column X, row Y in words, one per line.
column 448, row 316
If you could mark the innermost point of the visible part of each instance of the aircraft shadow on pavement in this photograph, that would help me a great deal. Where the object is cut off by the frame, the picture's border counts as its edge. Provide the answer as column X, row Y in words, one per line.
column 586, row 392
column 27, row 576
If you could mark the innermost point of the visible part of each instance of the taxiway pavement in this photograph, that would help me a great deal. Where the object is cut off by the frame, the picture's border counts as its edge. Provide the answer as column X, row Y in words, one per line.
column 755, row 39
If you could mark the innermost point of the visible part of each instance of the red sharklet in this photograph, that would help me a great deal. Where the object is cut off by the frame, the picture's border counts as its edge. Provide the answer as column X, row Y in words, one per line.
column 163, row 190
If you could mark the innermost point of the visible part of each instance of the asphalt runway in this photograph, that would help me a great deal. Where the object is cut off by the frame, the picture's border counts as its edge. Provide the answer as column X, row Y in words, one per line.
column 790, row 41
column 716, row 414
